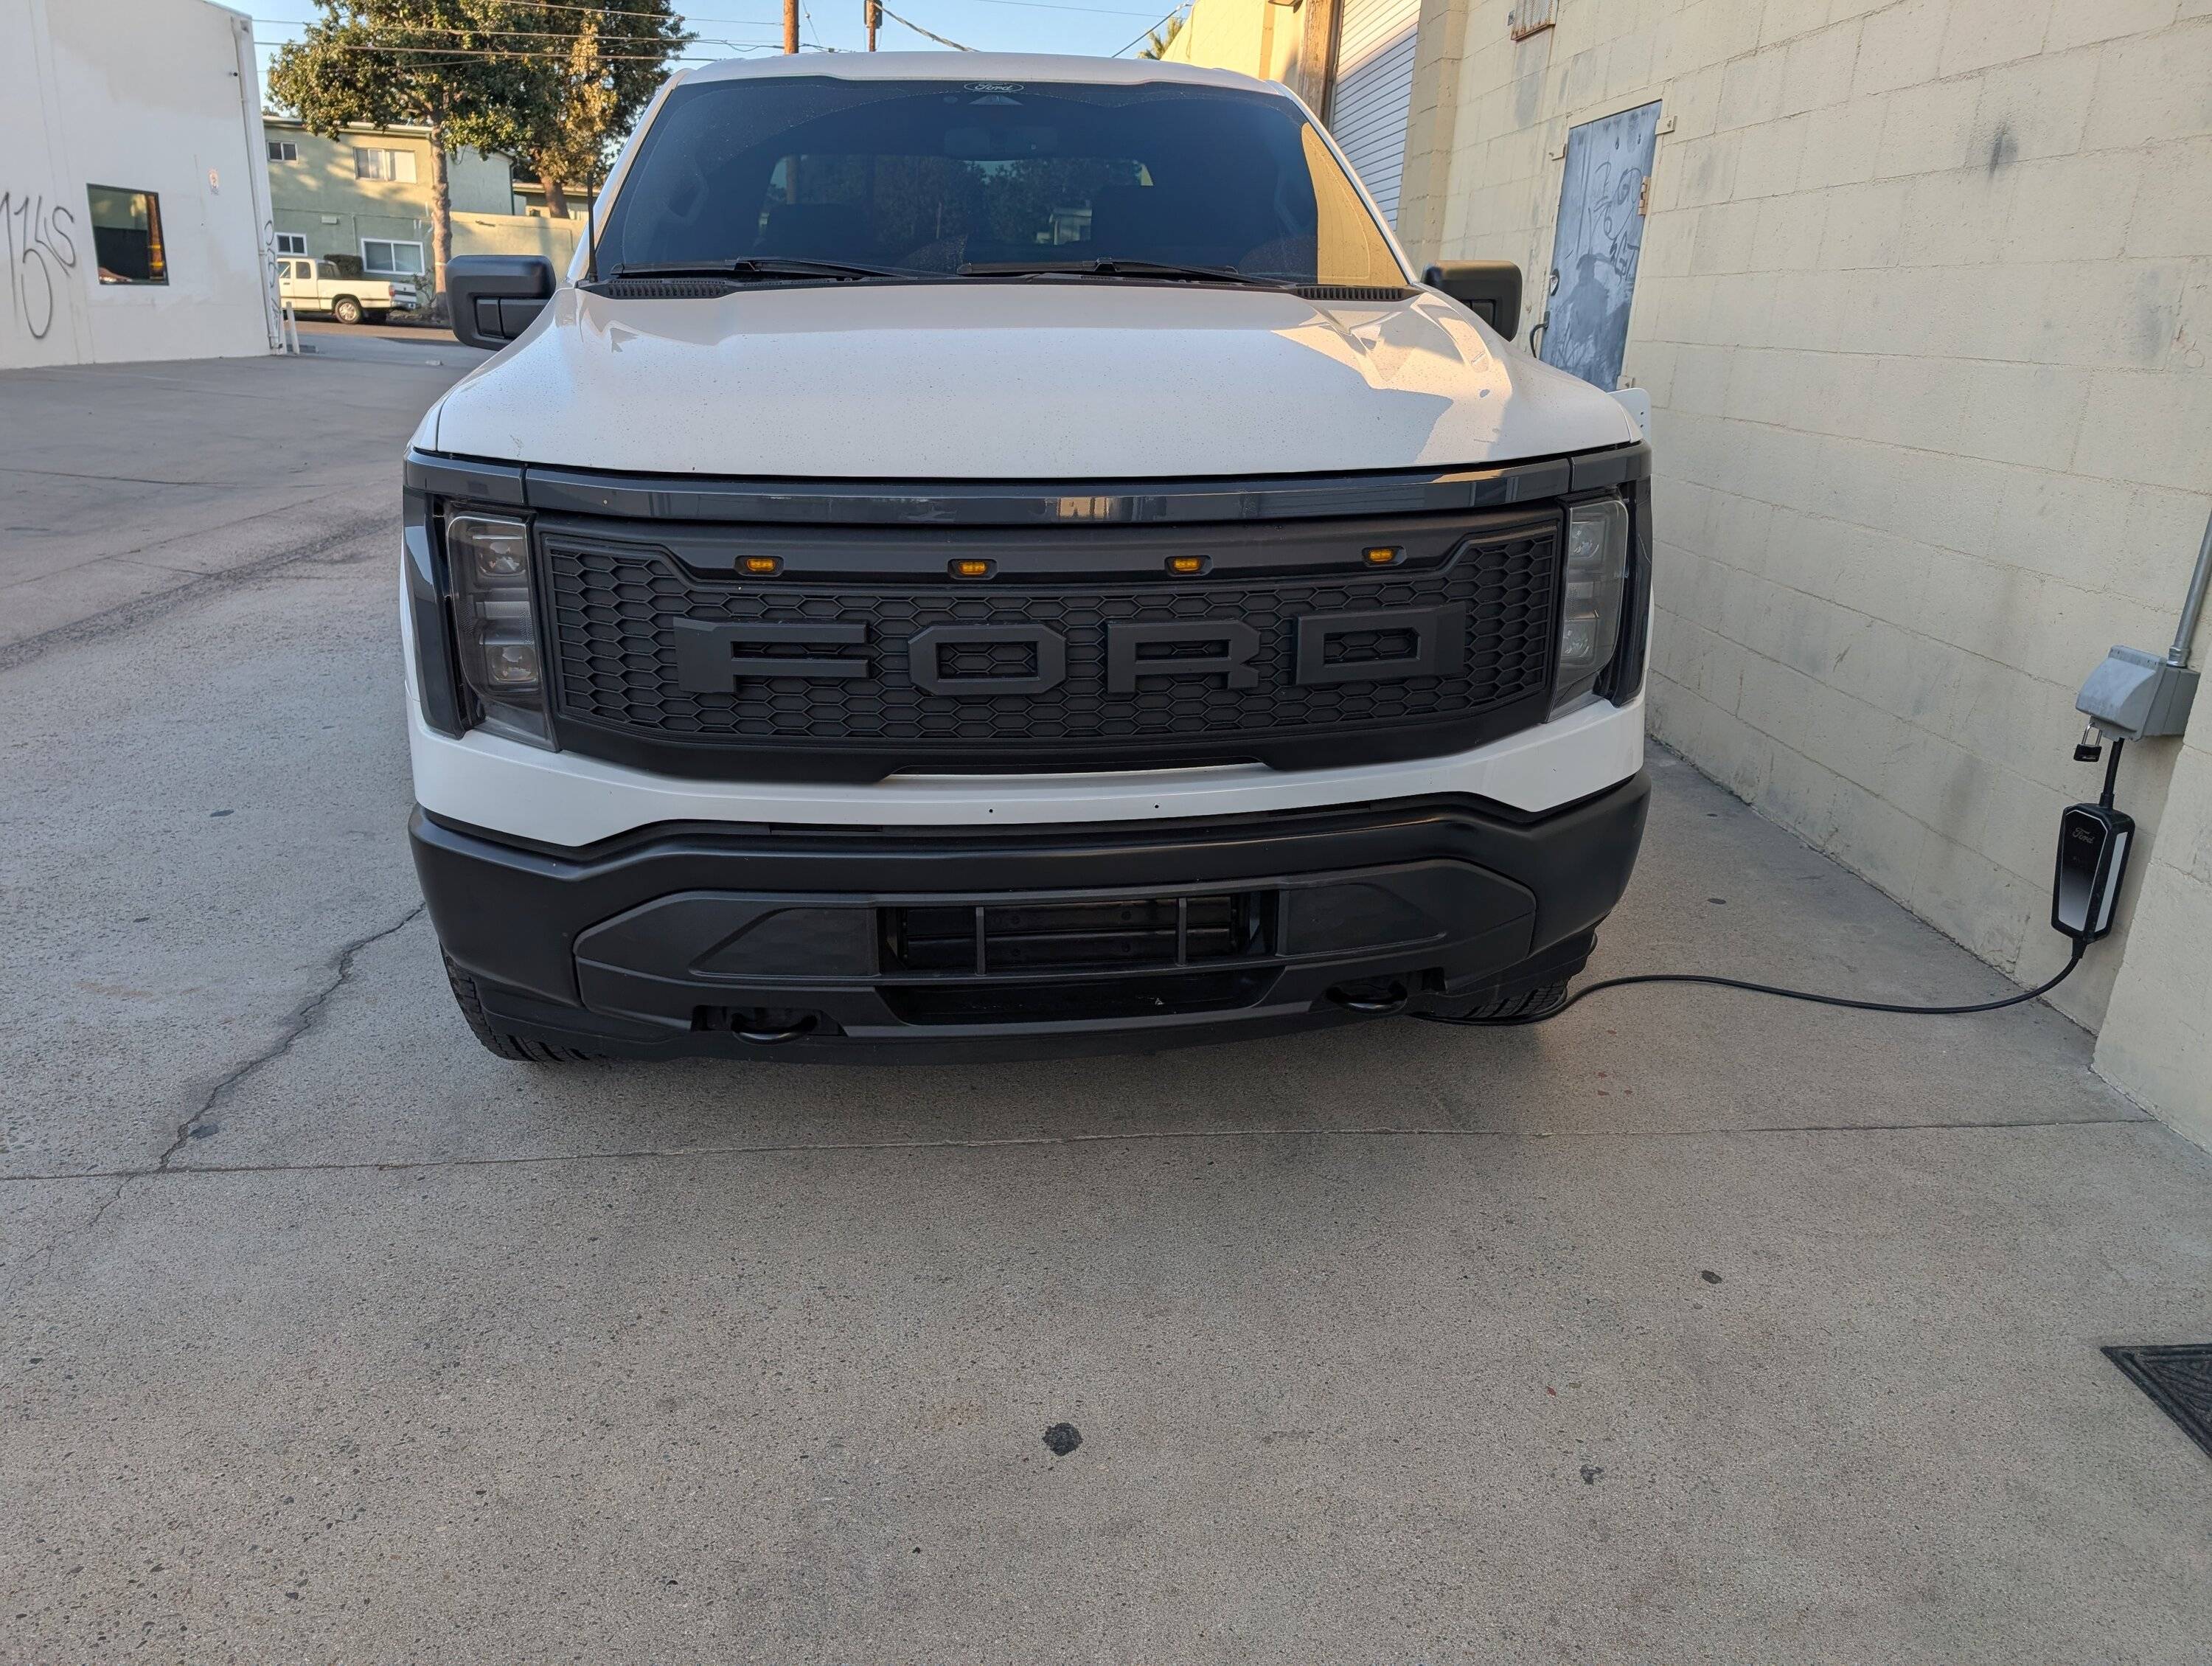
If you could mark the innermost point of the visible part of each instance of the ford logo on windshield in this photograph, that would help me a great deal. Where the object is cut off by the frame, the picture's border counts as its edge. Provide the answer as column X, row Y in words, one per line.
column 994, row 86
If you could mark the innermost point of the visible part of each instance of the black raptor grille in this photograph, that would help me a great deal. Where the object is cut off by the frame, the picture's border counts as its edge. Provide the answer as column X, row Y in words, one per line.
column 658, row 664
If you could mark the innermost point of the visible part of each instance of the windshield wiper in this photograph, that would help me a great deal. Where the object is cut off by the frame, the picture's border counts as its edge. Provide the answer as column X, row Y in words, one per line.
column 1118, row 269
column 758, row 267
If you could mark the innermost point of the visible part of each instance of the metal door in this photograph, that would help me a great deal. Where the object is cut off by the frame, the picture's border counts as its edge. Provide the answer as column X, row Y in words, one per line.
column 1595, row 248
column 1374, row 90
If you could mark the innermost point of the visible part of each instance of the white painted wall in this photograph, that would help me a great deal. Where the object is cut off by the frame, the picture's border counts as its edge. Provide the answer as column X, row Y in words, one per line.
column 1923, row 312
column 154, row 96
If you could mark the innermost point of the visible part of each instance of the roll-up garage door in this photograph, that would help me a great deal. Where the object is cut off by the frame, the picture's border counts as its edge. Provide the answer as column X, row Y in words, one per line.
column 1373, row 91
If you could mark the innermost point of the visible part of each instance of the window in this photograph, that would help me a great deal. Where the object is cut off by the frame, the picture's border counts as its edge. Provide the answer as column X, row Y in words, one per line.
column 126, row 235
column 291, row 243
column 938, row 176
column 383, row 164
column 386, row 258
column 284, row 150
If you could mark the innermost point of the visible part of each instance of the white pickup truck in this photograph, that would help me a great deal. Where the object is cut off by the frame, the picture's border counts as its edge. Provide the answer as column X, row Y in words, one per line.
column 321, row 286
column 1001, row 555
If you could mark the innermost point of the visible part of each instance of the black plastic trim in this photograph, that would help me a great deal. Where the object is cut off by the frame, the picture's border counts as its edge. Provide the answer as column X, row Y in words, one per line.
column 437, row 671
column 512, row 917
column 1019, row 503
column 471, row 479
column 1624, row 680
column 917, row 557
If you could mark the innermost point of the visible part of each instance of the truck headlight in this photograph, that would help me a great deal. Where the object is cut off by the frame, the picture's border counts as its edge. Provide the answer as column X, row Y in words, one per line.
column 1597, row 582
column 495, row 627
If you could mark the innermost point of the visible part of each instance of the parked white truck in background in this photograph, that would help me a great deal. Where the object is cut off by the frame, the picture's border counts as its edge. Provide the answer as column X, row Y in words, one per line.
column 322, row 285
column 1001, row 554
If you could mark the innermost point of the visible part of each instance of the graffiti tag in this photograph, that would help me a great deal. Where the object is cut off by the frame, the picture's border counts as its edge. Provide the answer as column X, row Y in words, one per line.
column 41, row 256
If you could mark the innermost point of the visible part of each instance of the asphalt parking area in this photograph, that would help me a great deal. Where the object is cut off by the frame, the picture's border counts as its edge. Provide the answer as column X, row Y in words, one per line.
column 1688, row 1328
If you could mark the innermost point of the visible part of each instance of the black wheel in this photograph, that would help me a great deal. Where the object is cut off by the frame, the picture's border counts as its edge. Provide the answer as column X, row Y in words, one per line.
column 499, row 1041
column 346, row 310
column 1518, row 1005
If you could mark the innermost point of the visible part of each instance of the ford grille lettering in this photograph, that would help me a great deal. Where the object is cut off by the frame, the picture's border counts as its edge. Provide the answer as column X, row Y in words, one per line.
column 1381, row 645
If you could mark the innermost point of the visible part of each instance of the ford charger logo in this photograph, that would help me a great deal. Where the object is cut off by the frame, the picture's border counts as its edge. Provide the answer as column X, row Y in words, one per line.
column 715, row 657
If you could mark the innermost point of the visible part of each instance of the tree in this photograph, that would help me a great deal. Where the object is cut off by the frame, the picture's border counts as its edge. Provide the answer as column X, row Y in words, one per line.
column 1159, row 39
column 461, row 68
column 615, row 57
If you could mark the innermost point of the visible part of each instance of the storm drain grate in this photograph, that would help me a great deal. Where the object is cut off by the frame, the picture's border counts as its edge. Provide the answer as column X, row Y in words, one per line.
column 2179, row 1379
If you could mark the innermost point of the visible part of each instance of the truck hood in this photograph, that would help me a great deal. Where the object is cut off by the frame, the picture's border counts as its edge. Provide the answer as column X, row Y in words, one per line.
column 1043, row 380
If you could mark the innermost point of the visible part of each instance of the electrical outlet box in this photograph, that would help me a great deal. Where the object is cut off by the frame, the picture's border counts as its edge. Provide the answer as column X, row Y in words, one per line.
column 2136, row 695
column 2093, row 860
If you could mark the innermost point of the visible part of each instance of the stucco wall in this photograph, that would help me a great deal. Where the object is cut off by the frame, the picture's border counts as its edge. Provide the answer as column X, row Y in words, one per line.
column 518, row 233
column 1923, row 311
column 2156, row 1042
column 1253, row 37
column 142, row 95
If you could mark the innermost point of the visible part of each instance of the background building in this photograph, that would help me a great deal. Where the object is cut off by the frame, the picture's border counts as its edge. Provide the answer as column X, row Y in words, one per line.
column 1921, row 292
column 132, row 196
column 365, row 196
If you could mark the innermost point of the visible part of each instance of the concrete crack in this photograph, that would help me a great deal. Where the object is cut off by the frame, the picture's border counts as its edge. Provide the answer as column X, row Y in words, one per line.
column 1017, row 1141
column 141, row 608
column 303, row 1019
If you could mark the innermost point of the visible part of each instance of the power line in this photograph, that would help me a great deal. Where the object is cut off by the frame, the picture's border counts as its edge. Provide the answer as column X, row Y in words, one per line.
column 447, row 56
column 519, row 34
column 1147, row 34
column 1054, row 5
column 558, row 5
column 918, row 29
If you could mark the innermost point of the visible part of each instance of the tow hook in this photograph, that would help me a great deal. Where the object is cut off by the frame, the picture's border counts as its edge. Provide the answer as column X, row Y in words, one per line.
column 1377, row 996
column 764, row 1036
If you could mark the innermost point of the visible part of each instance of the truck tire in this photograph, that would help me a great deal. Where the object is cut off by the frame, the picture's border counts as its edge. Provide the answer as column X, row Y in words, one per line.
column 498, row 1041
column 346, row 310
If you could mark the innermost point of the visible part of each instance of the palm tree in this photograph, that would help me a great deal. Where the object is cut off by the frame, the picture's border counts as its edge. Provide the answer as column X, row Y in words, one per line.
column 1159, row 39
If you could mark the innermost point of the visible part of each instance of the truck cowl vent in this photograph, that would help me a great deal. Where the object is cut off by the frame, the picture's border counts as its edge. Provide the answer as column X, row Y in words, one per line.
column 1352, row 292
column 664, row 288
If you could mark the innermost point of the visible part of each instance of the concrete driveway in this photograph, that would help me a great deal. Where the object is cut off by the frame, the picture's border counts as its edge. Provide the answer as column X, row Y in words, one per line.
column 1689, row 1328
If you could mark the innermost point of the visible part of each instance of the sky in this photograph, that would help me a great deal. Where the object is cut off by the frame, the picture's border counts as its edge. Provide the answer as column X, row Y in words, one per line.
column 734, row 28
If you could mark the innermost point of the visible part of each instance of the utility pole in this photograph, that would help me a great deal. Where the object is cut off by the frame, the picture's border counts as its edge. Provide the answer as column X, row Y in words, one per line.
column 791, row 25
column 874, row 14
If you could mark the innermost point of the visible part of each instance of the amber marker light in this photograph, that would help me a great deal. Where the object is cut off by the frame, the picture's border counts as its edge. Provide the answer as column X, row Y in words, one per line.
column 763, row 567
column 1382, row 554
column 1186, row 564
column 971, row 569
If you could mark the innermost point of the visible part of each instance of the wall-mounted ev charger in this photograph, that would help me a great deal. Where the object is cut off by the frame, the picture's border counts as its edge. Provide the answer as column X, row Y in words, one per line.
column 2093, row 860
column 2135, row 695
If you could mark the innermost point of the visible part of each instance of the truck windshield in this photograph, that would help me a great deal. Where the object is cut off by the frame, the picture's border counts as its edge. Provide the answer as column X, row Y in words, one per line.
column 991, row 179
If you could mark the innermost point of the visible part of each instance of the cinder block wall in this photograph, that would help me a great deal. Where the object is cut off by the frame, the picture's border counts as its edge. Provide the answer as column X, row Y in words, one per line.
column 1924, row 303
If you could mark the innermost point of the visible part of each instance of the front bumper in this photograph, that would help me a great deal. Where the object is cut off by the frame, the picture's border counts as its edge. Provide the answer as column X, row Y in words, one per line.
column 724, row 941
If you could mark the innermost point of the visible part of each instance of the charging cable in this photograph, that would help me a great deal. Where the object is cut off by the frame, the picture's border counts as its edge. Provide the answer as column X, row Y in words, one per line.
column 1588, row 990
column 2080, row 944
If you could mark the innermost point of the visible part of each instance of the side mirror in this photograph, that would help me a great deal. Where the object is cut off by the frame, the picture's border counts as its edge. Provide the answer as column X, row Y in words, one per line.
column 495, row 296
column 1489, row 288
